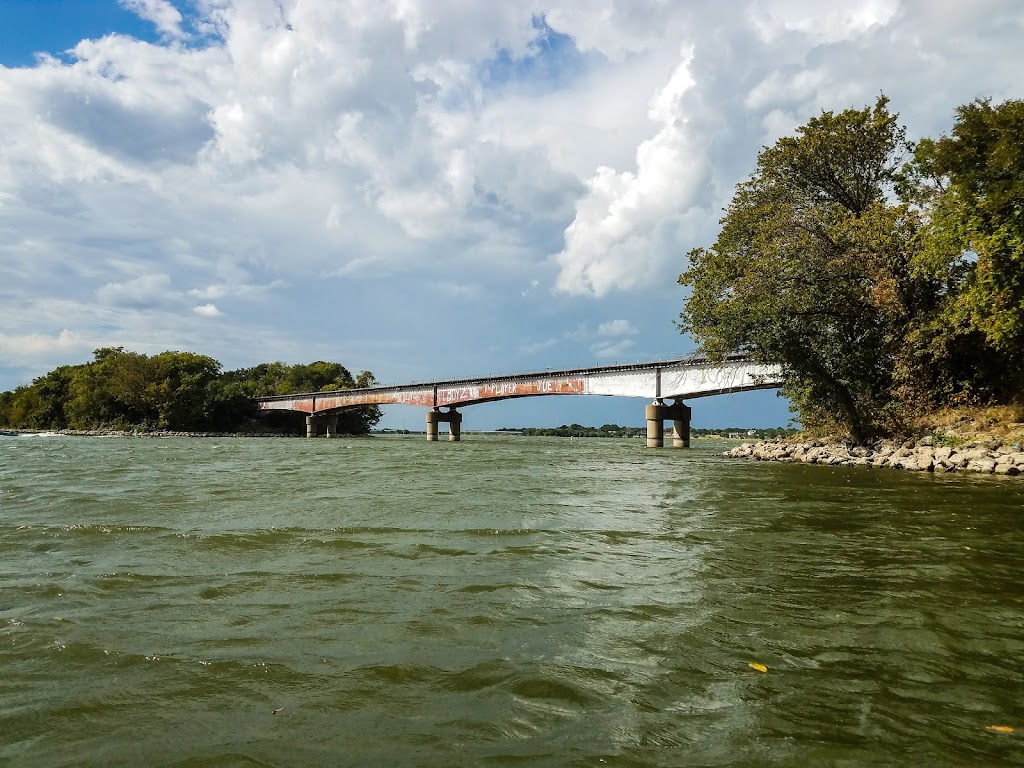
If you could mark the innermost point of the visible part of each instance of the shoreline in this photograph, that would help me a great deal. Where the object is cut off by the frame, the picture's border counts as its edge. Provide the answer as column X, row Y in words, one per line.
column 986, row 457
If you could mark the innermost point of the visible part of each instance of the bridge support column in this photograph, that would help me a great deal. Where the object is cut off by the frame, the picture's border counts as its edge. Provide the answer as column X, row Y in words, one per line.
column 454, row 426
column 310, row 426
column 454, row 419
column 332, row 425
column 655, row 425
column 657, row 412
column 680, row 425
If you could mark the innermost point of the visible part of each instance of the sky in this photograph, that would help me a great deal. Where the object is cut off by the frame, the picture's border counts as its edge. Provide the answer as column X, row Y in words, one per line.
column 426, row 189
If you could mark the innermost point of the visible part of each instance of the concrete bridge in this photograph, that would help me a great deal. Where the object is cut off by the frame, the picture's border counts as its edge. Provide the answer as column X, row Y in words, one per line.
column 674, row 380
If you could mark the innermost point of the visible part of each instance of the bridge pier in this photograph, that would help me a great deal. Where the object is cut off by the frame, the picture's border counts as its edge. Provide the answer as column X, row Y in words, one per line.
column 332, row 425
column 311, row 426
column 657, row 412
column 454, row 419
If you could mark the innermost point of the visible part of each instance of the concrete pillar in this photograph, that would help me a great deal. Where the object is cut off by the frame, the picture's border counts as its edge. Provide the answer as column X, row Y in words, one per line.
column 310, row 426
column 657, row 412
column 454, row 426
column 454, row 419
column 655, row 427
column 332, row 425
column 681, row 425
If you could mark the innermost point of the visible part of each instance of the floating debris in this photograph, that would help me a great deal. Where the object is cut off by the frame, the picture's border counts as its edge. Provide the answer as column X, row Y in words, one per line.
column 758, row 667
column 998, row 729
column 275, row 711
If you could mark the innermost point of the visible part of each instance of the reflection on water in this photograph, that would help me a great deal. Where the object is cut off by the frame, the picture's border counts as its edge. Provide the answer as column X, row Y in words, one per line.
column 505, row 600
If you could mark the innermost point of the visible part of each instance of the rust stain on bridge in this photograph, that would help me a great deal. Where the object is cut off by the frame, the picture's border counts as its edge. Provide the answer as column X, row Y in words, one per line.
column 430, row 397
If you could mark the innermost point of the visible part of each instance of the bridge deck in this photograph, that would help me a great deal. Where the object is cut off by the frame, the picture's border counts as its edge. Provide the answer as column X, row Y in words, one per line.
column 677, row 379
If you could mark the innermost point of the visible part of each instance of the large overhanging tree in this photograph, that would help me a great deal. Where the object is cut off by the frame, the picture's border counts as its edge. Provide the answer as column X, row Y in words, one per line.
column 814, row 269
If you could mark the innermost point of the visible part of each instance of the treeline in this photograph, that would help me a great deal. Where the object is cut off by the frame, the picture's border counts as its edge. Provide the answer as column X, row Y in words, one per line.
column 578, row 430
column 177, row 391
column 885, row 278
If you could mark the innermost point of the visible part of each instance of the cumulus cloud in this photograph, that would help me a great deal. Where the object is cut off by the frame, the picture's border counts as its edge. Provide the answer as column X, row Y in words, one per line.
column 222, row 290
column 615, row 241
column 162, row 13
column 617, row 328
column 207, row 310
column 612, row 350
column 36, row 344
column 143, row 291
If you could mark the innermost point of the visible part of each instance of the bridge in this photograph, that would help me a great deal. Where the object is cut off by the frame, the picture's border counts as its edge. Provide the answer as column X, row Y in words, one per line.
column 675, row 380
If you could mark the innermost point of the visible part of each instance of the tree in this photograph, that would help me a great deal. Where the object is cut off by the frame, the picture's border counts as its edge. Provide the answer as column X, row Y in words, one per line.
column 176, row 391
column 970, row 186
column 814, row 270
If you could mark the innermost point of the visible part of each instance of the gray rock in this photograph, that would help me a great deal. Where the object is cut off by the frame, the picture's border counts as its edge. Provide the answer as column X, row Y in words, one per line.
column 984, row 466
column 1006, row 469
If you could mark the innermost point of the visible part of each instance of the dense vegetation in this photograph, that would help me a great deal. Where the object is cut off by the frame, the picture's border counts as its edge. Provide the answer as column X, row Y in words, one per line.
column 578, row 430
column 178, row 391
column 886, row 279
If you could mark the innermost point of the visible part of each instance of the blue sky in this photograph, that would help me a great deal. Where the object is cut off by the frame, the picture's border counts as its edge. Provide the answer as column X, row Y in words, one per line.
column 30, row 27
column 422, row 189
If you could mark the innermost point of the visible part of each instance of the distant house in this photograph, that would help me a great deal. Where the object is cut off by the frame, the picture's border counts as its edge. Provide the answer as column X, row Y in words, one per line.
column 734, row 435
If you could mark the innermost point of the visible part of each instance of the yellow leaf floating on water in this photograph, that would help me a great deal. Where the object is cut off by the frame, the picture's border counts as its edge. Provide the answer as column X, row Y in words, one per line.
column 999, row 728
column 758, row 667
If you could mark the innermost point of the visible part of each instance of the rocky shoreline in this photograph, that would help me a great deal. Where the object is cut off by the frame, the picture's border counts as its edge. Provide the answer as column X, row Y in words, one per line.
column 991, row 457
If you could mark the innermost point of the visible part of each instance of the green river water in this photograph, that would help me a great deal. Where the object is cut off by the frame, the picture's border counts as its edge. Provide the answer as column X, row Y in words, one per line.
column 504, row 601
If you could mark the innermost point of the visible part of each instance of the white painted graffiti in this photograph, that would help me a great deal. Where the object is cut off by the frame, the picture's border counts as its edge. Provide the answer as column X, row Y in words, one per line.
column 504, row 389
column 458, row 394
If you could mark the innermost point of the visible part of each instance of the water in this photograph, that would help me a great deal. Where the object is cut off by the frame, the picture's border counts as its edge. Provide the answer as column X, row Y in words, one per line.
column 506, row 601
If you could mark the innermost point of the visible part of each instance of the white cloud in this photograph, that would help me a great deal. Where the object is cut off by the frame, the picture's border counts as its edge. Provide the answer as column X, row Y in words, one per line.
column 162, row 13
column 143, row 291
column 617, row 328
column 35, row 345
column 612, row 350
column 207, row 310
column 222, row 290
column 616, row 239
column 821, row 22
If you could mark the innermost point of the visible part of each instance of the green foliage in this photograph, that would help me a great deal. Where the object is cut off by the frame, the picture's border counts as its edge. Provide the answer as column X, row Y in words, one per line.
column 971, row 186
column 578, row 430
column 881, row 291
column 941, row 439
column 812, row 269
column 178, row 391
